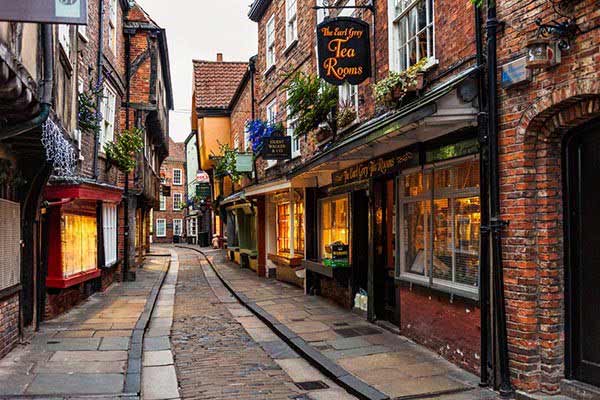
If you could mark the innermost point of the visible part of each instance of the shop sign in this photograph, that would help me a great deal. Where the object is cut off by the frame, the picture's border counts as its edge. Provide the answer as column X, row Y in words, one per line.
column 515, row 73
column 45, row 11
column 166, row 191
column 202, row 177
column 243, row 162
column 344, row 50
column 203, row 191
column 383, row 165
column 276, row 148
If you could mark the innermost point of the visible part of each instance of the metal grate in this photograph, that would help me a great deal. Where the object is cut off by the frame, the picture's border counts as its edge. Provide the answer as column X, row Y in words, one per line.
column 312, row 385
column 10, row 237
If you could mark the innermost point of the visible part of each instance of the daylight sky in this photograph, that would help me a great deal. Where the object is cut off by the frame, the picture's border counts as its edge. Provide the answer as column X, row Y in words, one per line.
column 199, row 29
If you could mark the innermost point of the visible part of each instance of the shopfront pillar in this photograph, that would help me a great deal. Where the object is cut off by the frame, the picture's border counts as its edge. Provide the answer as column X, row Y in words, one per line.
column 261, row 236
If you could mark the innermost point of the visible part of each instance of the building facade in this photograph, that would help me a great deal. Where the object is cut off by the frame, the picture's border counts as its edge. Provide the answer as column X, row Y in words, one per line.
column 169, row 218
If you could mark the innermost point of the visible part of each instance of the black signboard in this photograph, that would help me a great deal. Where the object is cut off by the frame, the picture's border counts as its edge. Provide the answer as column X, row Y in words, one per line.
column 344, row 50
column 166, row 191
column 203, row 191
column 50, row 11
column 380, row 166
column 276, row 148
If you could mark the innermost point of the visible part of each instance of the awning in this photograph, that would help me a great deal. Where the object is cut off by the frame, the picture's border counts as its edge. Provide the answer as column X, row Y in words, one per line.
column 238, row 196
column 84, row 191
column 391, row 131
column 268, row 187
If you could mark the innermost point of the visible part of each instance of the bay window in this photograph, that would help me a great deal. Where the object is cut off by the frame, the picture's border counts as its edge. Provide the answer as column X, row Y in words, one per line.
column 335, row 224
column 284, row 228
column 412, row 36
column 439, row 227
column 109, row 230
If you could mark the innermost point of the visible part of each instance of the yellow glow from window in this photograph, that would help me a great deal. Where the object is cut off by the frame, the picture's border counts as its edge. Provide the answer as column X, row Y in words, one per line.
column 78, row 237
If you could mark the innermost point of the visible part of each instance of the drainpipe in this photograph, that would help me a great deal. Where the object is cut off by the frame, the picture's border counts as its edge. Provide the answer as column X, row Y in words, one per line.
column 496, row 224
column 99, row 67
column 47, row 86
column 252, row 68
column 484, row 269
column 126, row 191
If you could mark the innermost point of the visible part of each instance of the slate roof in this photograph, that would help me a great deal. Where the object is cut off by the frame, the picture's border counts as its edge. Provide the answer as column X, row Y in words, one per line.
column 216, row 82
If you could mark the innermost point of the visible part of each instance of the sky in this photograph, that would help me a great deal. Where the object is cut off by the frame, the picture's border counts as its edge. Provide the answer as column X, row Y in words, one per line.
column 199, row 29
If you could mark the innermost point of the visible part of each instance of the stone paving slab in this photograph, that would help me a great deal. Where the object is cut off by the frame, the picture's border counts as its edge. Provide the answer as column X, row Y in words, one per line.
column 76, row 384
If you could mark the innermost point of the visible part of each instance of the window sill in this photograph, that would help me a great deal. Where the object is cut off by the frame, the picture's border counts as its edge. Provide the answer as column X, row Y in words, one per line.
column 289, row 48
column 269, row 70
column 449, row 288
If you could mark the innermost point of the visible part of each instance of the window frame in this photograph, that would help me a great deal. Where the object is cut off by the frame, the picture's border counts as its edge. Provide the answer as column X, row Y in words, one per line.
column 109, row 232
column 271, row 114
column 180, row 181
column 164, row 225
column 107, row 127
column 162, row 203
column 177, row 203
column 64, row 38
column 291, row 23
column 112, row 23
column 348, row 222
column 394, row 21
column 178, row 222
column 431, row 195
column 270, row 45
column 290, row 131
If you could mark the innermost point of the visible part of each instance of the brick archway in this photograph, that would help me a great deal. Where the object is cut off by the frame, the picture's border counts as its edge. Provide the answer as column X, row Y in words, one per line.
column 532, row 201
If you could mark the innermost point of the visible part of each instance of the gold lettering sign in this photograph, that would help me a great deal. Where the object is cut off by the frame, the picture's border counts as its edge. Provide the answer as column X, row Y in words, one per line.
column 344, row 50
column 377, row 167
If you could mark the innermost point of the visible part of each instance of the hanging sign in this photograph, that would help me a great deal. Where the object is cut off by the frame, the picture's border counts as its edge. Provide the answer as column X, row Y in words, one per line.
column 243, row 162
column 203, row 191
column 344, row 50
column 276, row 148
column 166, row 190
column 45, row 11
column 383, row 165
column 202, row 177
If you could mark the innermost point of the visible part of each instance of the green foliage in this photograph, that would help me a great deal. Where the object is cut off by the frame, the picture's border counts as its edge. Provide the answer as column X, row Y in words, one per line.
column 310, row 102
column 478, row 3
column 122, row 153
column 88, row 117
column 346, row 114
column 226, row 163
column 399, row 82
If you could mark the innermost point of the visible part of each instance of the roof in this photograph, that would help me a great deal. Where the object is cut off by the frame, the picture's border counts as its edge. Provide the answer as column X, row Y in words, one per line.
column 216, row 83
column 257, row 9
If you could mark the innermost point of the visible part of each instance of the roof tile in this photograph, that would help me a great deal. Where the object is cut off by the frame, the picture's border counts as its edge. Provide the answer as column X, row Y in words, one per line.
column 216, row 82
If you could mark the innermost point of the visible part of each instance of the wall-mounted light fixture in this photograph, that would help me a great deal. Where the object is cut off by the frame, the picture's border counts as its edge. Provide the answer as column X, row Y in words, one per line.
column 563, row 32
column 542, row 53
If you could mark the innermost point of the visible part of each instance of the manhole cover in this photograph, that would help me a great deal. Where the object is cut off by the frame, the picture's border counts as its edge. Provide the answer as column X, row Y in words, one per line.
column 312, row 385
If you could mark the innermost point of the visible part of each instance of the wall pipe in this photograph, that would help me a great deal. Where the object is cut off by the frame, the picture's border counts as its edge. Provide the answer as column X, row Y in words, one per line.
column 496, row 224
column 127, row 124
column 47, row 86
column 99, row 67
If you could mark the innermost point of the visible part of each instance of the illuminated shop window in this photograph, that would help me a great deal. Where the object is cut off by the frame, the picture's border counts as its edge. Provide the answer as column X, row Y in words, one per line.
column 79, row 241
column 335, row 224
column 283, row 227
column 440, row 219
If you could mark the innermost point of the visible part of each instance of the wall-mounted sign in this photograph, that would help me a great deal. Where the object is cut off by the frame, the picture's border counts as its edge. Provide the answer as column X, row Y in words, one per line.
column 515, row 73
column 383, row 165
column 243, row 162
column 202, row 177
column 344, row 50
column 165, row 191
column 203, row 191
column 276, row 148
column 45, row 11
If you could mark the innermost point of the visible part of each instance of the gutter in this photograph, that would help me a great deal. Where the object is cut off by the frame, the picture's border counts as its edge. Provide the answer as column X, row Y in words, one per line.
column 99, row 67
column 47, row 86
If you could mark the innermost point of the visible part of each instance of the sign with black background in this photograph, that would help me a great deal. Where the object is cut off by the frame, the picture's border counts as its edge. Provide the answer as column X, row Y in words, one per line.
column 50, row 11
column 344, row 50
column 276, row 148
column 379, row 166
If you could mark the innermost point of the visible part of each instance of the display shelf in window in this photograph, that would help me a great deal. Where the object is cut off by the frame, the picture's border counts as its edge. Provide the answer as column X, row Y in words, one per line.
column 334, row 232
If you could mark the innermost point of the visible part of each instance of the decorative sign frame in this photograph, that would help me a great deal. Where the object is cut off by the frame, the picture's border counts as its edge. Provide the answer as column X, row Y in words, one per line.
column 73, row 12
column 276, row 148
column 344, row 50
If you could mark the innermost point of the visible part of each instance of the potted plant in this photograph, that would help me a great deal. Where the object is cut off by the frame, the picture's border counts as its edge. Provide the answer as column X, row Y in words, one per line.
column 123, row 152
column 346, row 114
column 391, row 90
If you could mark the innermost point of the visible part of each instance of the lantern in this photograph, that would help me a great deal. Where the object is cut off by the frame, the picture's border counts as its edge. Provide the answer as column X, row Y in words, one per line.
column 542, row 53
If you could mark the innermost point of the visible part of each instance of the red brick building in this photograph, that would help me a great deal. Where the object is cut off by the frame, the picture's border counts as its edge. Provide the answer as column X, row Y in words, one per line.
column 169, row 217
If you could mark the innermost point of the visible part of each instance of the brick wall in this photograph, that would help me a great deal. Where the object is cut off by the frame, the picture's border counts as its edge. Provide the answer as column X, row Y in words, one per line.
column 9, row 323
column 534, row 119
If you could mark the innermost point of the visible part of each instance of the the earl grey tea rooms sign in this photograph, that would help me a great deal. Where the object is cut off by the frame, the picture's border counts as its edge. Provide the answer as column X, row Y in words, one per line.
column 344, row 49
column 45, row 11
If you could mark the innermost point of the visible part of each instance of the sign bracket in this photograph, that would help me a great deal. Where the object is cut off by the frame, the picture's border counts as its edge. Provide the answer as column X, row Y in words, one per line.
column 370, row 6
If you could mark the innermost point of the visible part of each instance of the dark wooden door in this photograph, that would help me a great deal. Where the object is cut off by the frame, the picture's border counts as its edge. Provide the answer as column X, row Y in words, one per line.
column 583, row 157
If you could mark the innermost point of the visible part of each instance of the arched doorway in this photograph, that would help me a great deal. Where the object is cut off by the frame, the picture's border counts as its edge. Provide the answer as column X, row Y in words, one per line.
column 582, row 222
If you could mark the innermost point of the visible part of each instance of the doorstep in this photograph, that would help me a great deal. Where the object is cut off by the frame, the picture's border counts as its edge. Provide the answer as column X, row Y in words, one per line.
column 364, row 358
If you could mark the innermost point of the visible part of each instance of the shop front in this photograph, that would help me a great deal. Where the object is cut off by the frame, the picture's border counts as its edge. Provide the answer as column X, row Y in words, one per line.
column 81, row 227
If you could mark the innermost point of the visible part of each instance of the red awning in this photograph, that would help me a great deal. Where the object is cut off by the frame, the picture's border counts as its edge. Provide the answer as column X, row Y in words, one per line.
column 83, row 191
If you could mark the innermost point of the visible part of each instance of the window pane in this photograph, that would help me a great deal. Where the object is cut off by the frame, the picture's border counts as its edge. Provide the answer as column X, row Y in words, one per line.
column 416, row 227
column 467, row 222
column 334, row 224
column 442, row 240
column 416, row 184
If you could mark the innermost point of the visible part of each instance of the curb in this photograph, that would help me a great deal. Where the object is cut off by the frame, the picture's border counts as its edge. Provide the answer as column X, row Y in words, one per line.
column 332, row 370
column 133, row 376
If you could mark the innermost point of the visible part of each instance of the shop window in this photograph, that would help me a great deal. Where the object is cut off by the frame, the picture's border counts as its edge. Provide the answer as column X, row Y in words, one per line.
column 161, row 228
column 335, row 224
column 412, row 33
column 79, row 241
column 439, row 234
column 109, row 229
column 283, row 227
column 177, row 227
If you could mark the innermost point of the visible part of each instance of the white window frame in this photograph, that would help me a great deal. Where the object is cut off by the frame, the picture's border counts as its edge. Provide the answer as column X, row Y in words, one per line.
column 290, row 128
column 64, row 38
column 112, row 22
column 163, row 203
column 396, row 19
column 291, row 22
column 348, row 94
column 192, row 227
column 178, row 182
column 109, row 231
column 451, row 287
column 108, row 107
column 161, row 223
column 177, row 227
column 271, row 118
column 270, row 42
column 176, row 203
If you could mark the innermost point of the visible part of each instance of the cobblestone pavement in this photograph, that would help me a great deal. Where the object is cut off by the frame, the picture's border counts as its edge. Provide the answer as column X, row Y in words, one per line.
column 392, row 364
column 86, row 350
column 223, row 352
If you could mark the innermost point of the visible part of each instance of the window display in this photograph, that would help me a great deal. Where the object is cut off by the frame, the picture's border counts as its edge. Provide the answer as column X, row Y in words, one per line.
column 78, row 237
column 283, row 227
column 335, row 228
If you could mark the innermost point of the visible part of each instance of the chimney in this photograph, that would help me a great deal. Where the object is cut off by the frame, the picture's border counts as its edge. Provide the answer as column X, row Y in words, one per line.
column 219, row 57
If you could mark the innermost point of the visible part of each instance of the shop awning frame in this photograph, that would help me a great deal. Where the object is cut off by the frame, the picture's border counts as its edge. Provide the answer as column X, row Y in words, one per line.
column 84, row 191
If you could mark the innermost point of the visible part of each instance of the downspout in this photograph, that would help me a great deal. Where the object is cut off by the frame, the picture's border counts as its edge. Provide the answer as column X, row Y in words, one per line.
column 47, row 86
column 484, row 251
column 252, row 69
column 126, row 191
column 99, row 68
column 496, row 224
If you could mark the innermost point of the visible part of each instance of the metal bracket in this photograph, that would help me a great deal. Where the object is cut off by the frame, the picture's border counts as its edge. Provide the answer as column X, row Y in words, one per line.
column 369, row 6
